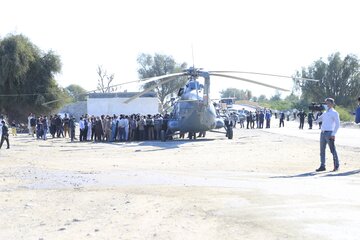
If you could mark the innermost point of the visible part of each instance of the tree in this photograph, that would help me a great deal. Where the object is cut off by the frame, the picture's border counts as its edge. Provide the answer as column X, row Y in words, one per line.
column 236, row 93
column 76, row 92
column 276, row 97
column 338, row 78
column 262, row 98
column 292, row 98
column 157, row 65
column 105, row 80
column 27, row 77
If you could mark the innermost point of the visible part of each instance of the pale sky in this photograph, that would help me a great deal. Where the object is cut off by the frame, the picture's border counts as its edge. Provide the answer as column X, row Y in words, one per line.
column 277, row 37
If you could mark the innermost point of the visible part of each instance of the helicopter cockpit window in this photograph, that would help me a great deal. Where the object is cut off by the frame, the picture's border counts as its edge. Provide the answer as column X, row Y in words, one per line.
column 194, row 85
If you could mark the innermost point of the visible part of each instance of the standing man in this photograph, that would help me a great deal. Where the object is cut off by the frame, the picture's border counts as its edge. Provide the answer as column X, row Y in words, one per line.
column 357, row 113
column 282, row 117
column 267, row 118
column 310, row 117
column 302, row 116
column 82, row 129
column 29, row 124
column 330, row 125
column 72, row 128
column 32, row 125
column 66, row 125
column 4, row 135
column 261, row 119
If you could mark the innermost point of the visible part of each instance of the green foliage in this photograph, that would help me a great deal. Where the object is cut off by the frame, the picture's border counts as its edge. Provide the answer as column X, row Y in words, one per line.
column 290, row 102
column 276, row 97
column 345, row 114
column 27, row 77
column 262, row 98
column 76, row 92
column 236, row 93
column 339, row 79
column 280, row 105
column 157, row 65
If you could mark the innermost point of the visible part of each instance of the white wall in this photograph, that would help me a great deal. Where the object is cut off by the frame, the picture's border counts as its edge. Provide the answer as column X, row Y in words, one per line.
column 110, row 106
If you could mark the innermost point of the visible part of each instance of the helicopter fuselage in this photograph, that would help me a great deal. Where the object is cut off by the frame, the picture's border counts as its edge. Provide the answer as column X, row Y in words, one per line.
column 192, row 114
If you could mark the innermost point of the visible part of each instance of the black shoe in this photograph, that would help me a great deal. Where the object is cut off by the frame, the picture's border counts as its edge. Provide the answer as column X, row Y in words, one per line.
column 320, row 169
column 335, row 169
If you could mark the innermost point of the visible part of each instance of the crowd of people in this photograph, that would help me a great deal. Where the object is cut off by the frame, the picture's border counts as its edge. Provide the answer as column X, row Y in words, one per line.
column 257, row 119
column 100, row 128
column 140, row 127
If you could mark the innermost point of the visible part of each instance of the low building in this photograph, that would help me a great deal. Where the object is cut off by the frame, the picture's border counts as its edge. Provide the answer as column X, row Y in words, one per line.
column 114, row 103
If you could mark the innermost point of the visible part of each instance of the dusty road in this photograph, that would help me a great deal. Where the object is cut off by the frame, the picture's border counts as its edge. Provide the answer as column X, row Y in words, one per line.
column 260, row 185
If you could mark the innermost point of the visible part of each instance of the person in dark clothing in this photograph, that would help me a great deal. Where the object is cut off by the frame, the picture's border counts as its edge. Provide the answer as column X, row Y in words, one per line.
column 33, row 125
column 310, row 117
column 302, row 116
column 98, row 129
column 66, row 125
column 52, row 126
column 281, row 119
column 72, row 128
column 93, row 120
column 228, row 125
column 58, row 124
column 268, row 118
column 261, row 119
column 5, row 135
column 248, row 120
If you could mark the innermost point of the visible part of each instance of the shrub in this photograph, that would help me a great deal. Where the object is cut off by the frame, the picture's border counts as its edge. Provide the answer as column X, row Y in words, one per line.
column 345, row 114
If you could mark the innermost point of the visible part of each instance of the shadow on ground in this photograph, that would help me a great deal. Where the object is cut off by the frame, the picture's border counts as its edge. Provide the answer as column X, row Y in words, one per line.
column 323, row 174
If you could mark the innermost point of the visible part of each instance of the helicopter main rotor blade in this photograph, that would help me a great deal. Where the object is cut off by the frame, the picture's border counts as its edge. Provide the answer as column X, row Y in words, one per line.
column 146, row 80
column 266, row 74
column 249, row 80
column 165, row 79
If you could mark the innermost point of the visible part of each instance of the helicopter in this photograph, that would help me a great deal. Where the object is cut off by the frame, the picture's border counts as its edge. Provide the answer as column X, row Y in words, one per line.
column 193, row 111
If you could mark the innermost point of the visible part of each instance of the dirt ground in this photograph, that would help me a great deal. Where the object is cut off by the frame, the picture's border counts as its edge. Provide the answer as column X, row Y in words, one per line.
column 259, row 185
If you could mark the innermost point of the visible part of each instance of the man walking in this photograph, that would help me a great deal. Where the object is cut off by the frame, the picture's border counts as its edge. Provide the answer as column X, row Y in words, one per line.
column 330, row 125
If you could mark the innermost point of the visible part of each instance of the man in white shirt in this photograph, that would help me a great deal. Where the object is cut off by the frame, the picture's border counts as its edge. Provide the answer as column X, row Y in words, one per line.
column 330, row 125
column 82, row 129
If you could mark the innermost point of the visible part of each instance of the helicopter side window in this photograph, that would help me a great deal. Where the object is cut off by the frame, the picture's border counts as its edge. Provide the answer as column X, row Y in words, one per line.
column 180, row 92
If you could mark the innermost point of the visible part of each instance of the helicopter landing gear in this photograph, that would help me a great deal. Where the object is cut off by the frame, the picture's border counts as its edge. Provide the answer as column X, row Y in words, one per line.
column 229, row 133
column 163, row 136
